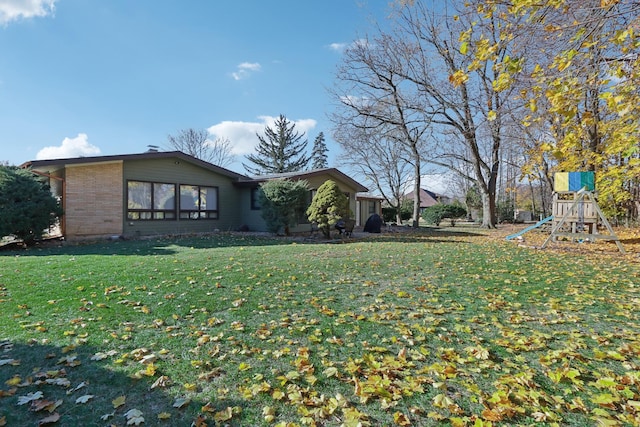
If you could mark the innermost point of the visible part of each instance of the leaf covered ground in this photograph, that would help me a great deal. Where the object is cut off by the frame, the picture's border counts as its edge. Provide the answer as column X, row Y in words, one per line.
column 446, row 327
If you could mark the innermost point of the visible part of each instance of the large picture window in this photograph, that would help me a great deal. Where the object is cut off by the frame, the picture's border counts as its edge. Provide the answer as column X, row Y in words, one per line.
column 151, row 200
column 198, row 202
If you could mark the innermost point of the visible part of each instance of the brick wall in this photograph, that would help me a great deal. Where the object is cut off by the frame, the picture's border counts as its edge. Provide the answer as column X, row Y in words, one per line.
column 94, row 200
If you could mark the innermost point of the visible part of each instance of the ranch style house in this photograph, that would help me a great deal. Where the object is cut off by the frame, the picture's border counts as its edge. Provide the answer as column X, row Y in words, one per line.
column 170, row 192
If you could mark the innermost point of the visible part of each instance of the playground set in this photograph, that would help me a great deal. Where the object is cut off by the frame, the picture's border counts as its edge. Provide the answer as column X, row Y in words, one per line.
column 575, row 212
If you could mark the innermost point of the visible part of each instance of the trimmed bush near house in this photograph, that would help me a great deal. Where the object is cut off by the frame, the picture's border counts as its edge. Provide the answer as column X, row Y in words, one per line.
column 328, row 206
column 282, row 203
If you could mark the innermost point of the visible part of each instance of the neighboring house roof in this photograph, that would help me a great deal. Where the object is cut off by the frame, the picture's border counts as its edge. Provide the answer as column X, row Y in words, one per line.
column 367, row 196
column 333, row 172
column 141, row 156
column 427, row 198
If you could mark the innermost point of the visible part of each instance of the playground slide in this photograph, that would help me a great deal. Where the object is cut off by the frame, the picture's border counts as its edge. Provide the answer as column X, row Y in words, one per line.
column 531, row 227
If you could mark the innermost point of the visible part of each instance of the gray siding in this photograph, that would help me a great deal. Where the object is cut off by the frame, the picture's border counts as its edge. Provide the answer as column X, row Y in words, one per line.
column 175, row 171
column 252, row 218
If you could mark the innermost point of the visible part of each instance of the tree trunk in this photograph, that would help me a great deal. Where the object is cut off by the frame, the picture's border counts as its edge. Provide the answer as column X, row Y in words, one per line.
column 487, row 213
column 416, row 201
column 416, row 189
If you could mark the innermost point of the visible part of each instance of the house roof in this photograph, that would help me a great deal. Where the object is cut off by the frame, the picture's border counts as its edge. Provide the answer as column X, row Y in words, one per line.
column 241, row 179
column 53, row 163
column 333, row 172
column 427, row 198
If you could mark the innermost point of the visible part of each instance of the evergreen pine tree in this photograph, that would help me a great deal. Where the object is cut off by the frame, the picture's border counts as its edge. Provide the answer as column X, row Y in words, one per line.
column 281, row 150
column 319, row 153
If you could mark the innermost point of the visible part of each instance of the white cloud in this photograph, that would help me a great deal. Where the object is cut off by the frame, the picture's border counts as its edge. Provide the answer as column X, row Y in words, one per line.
column 341, row 47
column 338, row 47
column 242, row 135
column 70, row 147
column 13, row 10
column 245, row 69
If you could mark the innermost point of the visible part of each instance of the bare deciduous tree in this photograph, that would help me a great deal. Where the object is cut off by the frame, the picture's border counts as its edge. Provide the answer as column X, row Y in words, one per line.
column 374, row 95
column 442, row 71
column 462, row 65
column 196, row 143
column 378, row 160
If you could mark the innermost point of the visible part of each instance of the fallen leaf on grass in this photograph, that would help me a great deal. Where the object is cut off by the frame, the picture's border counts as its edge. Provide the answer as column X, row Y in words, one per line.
column 84, row 399
column 331, row 371
column 12, row 362
column 190, row 386
column 62, row 382
column 401, row 419
column 208, row 408
column 39, row 405
column 14, row 381
column 105, row 417
column 101, row 355
column 8, row 393
column 53, row 418
column 226, row 414
column 268, row 413
column 29, row 397
column 78, row 387
column 181, row 402
column 118, row 401
column 161, row 382
column 134, row 417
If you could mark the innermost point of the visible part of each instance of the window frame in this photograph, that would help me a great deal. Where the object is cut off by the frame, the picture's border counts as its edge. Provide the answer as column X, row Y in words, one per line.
column 152, row 213
column 198, row 213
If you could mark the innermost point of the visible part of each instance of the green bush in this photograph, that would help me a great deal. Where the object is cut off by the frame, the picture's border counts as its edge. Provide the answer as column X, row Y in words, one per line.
column 27, row 207
column 282, row 203
column 406, row 210
column 328, row 206
column 506, row 212
column 436, row 213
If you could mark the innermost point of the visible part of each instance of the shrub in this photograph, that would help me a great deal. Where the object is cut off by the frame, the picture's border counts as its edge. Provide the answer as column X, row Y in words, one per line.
column 282, row 203
column 328, row 206
column 389, row 214
column 506, row 211
column 436, row 213
column 27, row 207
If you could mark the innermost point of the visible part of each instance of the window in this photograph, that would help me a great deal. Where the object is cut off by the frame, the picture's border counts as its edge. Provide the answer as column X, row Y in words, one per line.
column 198, row 202
column 255, row 199
column 150, row 200
column 372, row 207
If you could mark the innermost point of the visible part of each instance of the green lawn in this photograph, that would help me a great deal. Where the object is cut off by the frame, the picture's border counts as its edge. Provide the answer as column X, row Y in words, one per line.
column 441, row 328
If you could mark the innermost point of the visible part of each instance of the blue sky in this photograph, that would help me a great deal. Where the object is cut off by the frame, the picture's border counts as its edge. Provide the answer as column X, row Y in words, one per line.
column 90, row 77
